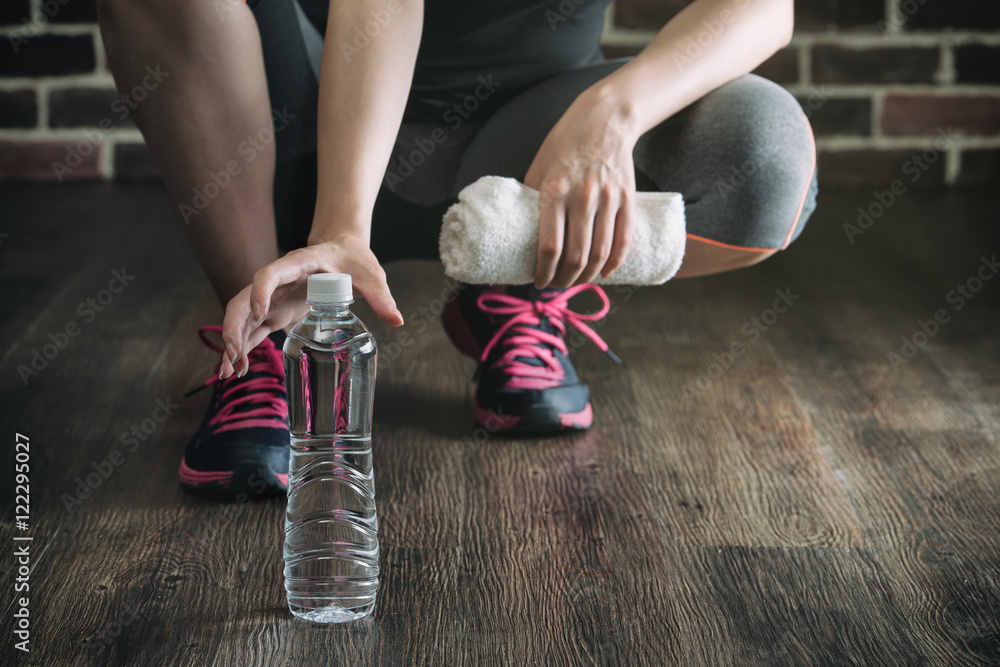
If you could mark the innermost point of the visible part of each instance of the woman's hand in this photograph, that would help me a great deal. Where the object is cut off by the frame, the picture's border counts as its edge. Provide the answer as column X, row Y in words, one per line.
column 277, row 296
column 586, row 182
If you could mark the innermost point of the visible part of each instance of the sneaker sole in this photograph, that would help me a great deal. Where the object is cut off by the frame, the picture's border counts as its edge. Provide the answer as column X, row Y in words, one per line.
column 537, row 419
column 251, row 478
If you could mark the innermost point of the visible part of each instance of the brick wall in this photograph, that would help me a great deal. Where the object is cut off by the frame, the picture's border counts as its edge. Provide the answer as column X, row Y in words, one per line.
column 58, row 104
column 888, row 84
column 883, row 81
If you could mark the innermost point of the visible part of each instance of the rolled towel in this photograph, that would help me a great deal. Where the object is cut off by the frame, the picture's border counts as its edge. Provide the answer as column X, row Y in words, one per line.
column 491, row 236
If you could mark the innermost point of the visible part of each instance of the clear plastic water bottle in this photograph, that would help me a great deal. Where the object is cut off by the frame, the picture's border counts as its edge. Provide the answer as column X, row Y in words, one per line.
column 331, row 528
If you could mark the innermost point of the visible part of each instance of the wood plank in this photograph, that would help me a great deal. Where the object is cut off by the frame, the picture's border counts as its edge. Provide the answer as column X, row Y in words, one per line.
column 917, row 463
column 810, row 506
column 788, row 606
column 738, row 460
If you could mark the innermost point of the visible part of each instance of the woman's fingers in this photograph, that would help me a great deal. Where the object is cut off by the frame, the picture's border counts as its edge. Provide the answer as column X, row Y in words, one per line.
column 274, row 298
column 579, row 232
column 622, row 236
column 551, row 230
column 375, row 289
column 226, row 369
column 233, row 331
column 603, row 236
column 288, row 269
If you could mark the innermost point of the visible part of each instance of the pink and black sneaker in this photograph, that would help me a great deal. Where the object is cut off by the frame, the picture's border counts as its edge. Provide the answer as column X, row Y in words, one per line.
column 527, row 384
column 242, row 445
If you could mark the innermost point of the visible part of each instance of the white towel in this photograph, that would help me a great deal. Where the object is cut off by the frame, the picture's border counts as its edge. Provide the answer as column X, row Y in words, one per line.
column 491, row 236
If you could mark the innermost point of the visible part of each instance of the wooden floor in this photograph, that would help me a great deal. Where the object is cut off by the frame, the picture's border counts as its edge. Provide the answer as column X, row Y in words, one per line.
column 809, row 505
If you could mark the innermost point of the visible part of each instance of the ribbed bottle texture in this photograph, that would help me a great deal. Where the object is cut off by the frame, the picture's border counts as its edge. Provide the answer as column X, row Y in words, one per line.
column 331, row 526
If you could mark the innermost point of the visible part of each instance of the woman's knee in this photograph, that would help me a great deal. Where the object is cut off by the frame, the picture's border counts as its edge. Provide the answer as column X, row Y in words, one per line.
column 763, row 183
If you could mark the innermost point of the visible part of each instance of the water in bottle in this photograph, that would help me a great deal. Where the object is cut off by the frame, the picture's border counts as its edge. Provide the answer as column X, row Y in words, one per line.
column 331, row 539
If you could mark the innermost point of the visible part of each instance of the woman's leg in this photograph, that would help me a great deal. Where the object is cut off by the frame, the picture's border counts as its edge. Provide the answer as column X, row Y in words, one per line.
column 212, row 98
column 209, row 126
column 742, row 156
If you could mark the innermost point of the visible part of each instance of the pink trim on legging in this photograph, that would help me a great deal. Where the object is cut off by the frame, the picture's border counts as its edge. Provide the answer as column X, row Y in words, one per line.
column 802, row 202
column 795, row 222
column 727, row 245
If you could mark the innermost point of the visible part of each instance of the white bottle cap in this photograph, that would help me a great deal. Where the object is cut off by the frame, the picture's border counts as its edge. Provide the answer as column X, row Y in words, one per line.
column 329, row 288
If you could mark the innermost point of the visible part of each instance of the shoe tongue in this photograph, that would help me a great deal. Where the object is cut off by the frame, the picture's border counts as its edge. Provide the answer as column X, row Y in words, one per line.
column 530, row 293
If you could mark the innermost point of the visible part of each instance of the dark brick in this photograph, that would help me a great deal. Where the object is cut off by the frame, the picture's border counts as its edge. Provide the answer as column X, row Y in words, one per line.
column 33, row 160
column 821, row 15
column 980, row 168
column 48, row 55
column 833, row 116
column 977, row 64
column 134, row 162
column 12, row 11
column 612, row 51
column 648, row 14
column 879, row 168
column 926, row 114
column 87, row 107
column 18, row 108
column 835, row 64
column 934, row 14
column 810, row 15
column 782, row 67
column 73, row 11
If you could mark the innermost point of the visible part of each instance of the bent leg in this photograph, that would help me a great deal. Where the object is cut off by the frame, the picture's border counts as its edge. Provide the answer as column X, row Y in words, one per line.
column 213, row 97
column 750, row 126
column 745, row 160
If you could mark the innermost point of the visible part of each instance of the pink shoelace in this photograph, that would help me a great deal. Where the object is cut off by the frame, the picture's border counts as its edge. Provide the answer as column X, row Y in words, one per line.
column 256, row 400
column 521, row 340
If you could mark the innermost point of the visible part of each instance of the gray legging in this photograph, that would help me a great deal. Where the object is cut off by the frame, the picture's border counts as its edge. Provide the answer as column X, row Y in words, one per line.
column 742, row 156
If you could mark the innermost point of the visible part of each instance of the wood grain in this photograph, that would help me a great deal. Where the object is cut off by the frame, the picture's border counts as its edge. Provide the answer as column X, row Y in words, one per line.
column 810, row 505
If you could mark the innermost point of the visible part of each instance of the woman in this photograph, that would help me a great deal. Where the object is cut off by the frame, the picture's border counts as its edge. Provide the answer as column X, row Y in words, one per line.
column 444, row 93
